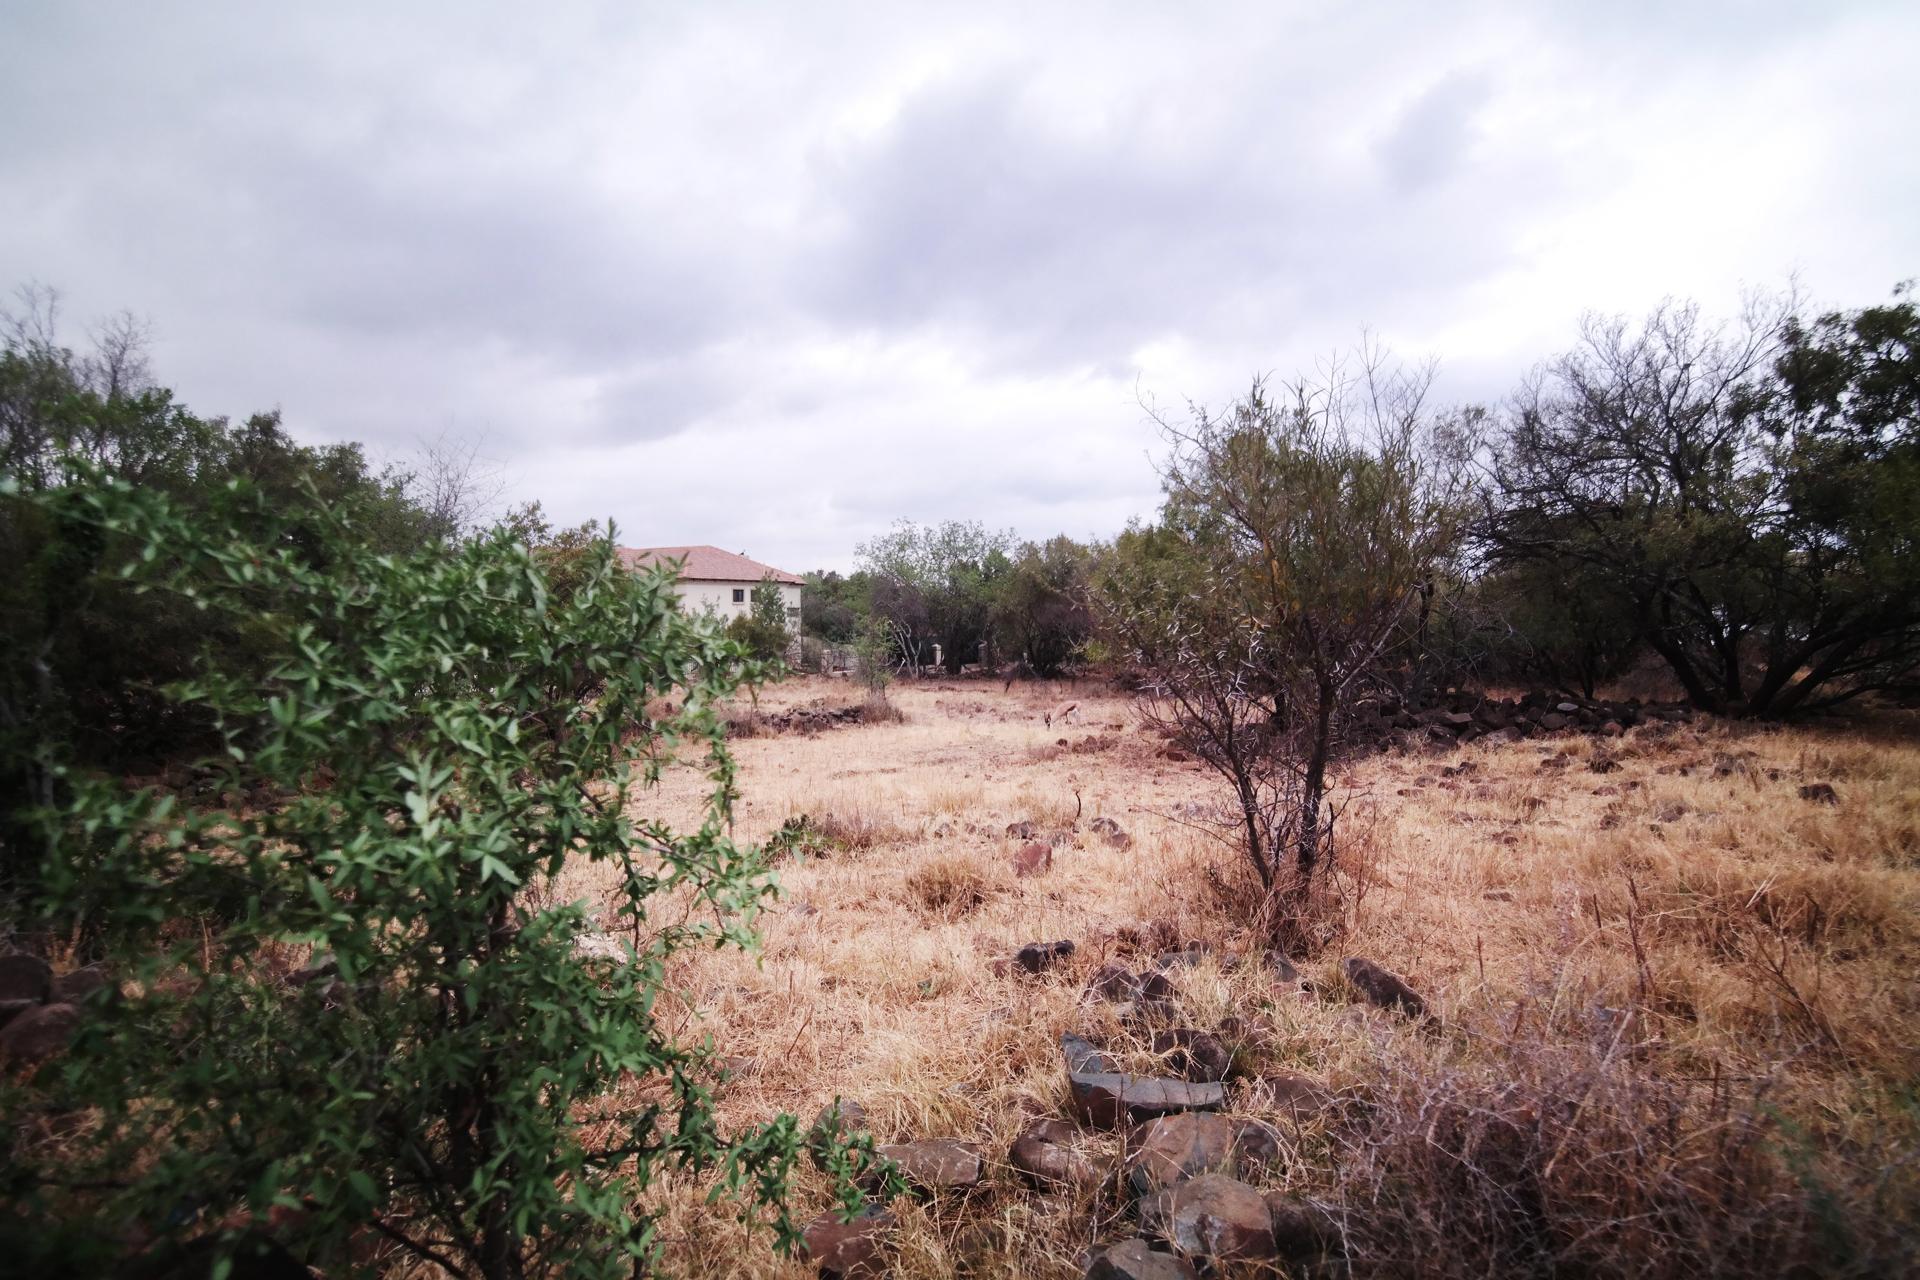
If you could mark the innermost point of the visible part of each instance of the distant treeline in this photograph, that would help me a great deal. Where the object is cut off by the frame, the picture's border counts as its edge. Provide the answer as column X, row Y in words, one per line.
column 1738, row 503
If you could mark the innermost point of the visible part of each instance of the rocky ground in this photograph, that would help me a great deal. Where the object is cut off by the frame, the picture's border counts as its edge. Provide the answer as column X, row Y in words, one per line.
column 1620, row 999
column 1604, row 990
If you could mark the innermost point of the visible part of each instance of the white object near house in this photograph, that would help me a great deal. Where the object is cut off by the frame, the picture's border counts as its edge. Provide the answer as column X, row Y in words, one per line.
column 719, row 580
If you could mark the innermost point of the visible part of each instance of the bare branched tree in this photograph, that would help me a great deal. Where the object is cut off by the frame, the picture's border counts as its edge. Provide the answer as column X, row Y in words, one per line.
column 32, row 324
column 458, row 488
column 1299, row 530
column 118, row 364
column 43, row 382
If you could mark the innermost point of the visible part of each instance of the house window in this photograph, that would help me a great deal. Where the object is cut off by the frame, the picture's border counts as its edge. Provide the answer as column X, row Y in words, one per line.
column 739, row 595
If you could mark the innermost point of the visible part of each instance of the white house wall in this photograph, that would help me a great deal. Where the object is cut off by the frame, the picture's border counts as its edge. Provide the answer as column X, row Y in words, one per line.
column 699, row 594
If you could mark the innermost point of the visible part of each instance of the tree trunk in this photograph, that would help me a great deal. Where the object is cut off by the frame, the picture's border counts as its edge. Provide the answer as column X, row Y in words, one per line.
column 1256, row 840
column 1314, row 786
column 1697, row 689
column 1789, row 699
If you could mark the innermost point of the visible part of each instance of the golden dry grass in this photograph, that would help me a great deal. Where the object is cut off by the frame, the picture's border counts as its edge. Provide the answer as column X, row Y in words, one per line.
column 1616, row 935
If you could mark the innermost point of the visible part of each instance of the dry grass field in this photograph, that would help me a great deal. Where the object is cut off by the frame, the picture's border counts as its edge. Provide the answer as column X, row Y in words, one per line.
column 1676, row 1025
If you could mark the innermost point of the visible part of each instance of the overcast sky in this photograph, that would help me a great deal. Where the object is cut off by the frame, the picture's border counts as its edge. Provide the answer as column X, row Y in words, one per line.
column 770, row 277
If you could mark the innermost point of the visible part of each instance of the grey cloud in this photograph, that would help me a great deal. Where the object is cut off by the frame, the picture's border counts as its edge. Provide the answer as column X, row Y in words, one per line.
column 972, row 213
column 1433, row 136
column 669, row 395
column 860, row 263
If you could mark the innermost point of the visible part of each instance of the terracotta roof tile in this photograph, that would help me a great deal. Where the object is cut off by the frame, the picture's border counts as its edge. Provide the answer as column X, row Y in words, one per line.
column 706, row 564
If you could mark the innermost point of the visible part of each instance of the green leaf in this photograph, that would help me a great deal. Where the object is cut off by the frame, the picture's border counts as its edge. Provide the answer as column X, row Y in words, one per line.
column 414, row 734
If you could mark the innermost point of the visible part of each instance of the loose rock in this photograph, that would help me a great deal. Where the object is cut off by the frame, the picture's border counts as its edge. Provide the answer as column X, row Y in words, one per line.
column 1110, row 831
column 1045, row 1156
column 1036, row 956
column 1032, row 859
column 1135, row 1260
column 1197, row 1055
column 1820, row 793
column 25, row 977
column 39, row 1033
column 1384, row 989
column 1081, row 1056
column 76, row 985
column 1289, row 1093
column 1106, row 1100
column 1213, row 1217
column 848, row 1249
column 1300, row 1232
column 1174, row 1148
column 940, row 1164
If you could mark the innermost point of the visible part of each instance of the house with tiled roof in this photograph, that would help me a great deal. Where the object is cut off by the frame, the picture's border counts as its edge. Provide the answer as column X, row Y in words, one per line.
column 719, row 580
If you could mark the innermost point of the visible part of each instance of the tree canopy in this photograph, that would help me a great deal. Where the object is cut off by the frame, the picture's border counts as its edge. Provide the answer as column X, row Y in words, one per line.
column 1746, row 493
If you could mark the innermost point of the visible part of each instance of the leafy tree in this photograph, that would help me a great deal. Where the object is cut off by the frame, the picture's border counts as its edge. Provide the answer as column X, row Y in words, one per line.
column 762, row 631
column 362, row 1005
column 1568, row 630
column 770, row 606
column 83, row 658
column 872, row 649
column 1848, row 428
column 834, row 607
column 1039, row 614
column 937, row 583
column 1295, row 537
column 567, row 557
column 1746, row 493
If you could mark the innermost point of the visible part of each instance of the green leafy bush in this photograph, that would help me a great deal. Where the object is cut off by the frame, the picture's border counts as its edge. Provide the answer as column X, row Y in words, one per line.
column 802, row 837
column 762, row 632
column 1040, row 613
column 357, row 1010
column 83, row 659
